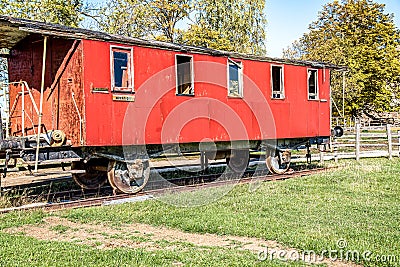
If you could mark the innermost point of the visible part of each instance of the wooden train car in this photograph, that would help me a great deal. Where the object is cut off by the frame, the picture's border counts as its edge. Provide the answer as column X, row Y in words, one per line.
column 109, row 103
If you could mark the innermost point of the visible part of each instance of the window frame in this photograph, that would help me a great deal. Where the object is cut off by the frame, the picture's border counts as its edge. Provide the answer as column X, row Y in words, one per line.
column 191, row 74
column 282, row 79
column 129, row 51
column 316, row 94
column 240, row 77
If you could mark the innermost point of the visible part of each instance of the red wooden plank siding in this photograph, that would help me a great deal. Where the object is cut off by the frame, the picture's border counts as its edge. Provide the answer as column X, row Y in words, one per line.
column 154, row 70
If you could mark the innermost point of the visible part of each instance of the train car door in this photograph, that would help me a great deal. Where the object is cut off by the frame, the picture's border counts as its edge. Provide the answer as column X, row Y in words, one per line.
column 313, row 102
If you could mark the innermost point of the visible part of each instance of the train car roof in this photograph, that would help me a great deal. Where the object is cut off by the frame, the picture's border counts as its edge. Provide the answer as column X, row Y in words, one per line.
column 13, row 30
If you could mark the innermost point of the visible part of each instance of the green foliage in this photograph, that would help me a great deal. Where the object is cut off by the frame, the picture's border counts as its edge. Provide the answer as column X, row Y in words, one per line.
column 360, row 35
column 153, row 19
column 66, row 12
column 116, row 17
column 227, row 25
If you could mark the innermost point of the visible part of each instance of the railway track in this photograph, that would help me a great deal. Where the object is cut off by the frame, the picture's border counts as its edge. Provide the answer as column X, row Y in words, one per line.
column 147, row 194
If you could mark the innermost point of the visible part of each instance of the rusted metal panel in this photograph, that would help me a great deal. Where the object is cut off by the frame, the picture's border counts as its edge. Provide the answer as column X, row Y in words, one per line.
column 70, row 89
column 62, row 77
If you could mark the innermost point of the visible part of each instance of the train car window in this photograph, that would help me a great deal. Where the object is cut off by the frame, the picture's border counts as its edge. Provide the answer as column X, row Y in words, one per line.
column 122, row 72
column 184, row 75
column 235, row 78
column 277, row 82
column 312, row 84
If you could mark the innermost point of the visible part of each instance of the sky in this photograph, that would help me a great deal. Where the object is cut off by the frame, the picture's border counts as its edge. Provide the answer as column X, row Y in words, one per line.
column 289, row 19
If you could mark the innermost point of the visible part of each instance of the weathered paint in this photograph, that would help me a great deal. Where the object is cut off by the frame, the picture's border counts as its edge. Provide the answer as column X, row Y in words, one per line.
column 59, row 111
column 88, row 75
column 295, row 116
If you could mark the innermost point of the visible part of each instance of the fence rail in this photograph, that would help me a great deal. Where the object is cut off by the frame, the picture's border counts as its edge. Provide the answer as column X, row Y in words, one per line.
column 367, row 123
column 363, row 142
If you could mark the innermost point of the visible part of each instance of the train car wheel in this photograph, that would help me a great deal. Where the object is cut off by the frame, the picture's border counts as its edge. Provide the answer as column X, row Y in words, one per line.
column 278, row 161
column 128, row 177
column 93, row 178
column 238, row 161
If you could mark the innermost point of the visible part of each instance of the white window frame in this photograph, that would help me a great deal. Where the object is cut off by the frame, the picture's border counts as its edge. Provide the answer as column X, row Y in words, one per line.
column 191, row 74
column 240, row 77
column 282, row 91
column 131, row 75
column 316, row 95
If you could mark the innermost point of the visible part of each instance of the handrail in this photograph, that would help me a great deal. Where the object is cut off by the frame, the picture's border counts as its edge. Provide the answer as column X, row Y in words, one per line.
column 5, row 109
column 29, row 92
column 79, row 116
column 41, row 103
column 23, row 110
column 24, row 89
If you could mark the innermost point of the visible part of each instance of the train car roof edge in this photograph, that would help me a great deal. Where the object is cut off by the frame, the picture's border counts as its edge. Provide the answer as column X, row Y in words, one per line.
column 13, row 30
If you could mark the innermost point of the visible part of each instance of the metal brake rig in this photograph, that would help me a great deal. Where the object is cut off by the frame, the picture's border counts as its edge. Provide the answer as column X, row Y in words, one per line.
column 337, row 131
column 308, row 155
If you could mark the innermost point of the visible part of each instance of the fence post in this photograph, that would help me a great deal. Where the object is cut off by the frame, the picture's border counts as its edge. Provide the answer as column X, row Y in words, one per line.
column 321, row 154
column 335, row 151
column 398, row 141
column 358, row 140
column 389, row 136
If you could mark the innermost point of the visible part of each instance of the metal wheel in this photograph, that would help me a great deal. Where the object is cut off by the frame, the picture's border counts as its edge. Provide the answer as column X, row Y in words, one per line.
column 93, row 177
column 238, row 161
column 278, row 161
column 128, row 177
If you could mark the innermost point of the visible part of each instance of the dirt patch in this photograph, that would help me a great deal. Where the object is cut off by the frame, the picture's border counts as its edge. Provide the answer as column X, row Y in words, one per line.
column 144, row 236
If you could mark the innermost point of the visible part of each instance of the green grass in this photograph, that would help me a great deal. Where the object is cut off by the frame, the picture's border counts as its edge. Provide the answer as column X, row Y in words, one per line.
column 15, row 219
column 60, row 228
column 17, row 250
column 359, row 204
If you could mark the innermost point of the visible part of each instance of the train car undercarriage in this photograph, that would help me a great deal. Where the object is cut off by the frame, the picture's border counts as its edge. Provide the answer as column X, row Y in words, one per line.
column 127, row 168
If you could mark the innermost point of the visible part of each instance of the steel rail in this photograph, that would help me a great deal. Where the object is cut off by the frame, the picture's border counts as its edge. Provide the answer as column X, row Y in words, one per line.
column 99, row 201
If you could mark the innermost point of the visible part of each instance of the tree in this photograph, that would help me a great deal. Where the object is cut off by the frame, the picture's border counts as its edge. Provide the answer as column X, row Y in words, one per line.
column 154, row 19
column 229, row 25
column 165, row 14
column 66, row 12
column 360, row 35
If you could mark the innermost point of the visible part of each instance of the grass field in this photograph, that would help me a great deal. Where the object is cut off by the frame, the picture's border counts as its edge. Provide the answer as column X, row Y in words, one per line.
column 355, row 208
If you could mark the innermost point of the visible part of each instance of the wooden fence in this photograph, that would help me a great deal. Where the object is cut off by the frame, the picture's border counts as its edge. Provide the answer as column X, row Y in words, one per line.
column 363, row 142
column 360, row 142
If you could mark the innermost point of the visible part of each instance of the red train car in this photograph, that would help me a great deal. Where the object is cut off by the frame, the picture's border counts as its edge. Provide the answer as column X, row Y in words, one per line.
column 109, row 103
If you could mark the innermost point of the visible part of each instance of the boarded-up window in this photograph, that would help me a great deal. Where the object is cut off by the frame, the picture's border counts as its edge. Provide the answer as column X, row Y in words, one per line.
column 312, row 84
column 122, row 72
column 184, row 75
column 235, row 73
column 277, row 82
